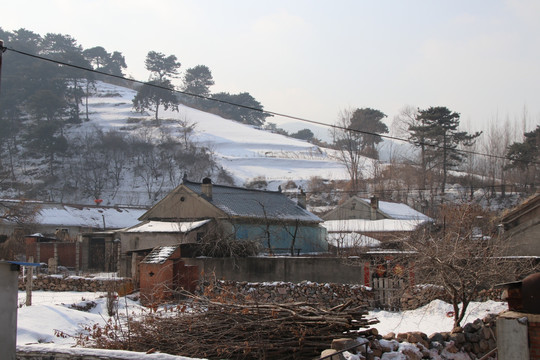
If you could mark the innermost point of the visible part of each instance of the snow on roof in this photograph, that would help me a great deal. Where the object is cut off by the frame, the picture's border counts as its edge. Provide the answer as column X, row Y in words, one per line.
column 351, row 240
column 400, row 211
column 166, row 226
column 160, row 254
column 362, row 225
column 88, row 216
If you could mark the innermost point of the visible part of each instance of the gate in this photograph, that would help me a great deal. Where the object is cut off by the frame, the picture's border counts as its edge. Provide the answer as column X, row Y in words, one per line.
column 387, row 292
column 96, row 254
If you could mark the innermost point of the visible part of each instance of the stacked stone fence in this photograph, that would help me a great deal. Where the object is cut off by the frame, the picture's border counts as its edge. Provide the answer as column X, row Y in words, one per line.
column 77, row 283
column 329, row 294
column 472, row 341
column 475, row 339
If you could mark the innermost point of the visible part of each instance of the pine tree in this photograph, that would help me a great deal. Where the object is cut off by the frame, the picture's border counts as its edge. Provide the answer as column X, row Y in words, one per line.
column 438, row 137
column 198, row 80
column 525, row 155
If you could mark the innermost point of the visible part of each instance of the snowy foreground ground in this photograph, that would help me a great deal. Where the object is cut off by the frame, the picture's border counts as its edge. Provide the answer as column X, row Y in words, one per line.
column 51, row 312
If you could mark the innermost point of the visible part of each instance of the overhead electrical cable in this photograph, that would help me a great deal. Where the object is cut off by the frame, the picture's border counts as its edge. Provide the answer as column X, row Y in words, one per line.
column 273, row 113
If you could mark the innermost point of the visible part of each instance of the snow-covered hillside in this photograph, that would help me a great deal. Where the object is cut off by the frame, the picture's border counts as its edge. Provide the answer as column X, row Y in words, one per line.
column 244, row 151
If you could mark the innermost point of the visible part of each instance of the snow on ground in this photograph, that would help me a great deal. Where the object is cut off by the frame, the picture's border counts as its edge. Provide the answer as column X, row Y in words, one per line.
column 51, row 313
column 432, row 317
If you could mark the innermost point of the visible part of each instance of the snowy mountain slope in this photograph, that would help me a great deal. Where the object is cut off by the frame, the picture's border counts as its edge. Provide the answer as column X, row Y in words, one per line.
column 243, row 150
column 153, row 160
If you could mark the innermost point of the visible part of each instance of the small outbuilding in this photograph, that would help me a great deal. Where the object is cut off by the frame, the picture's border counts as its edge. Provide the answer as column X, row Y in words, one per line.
column 163, row 274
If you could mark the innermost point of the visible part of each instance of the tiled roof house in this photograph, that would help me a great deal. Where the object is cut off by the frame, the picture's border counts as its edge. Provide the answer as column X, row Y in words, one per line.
column 371, row 219
column 193, row 211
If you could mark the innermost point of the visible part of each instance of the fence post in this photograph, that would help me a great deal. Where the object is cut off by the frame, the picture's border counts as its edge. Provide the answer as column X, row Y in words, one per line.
column 29, row 279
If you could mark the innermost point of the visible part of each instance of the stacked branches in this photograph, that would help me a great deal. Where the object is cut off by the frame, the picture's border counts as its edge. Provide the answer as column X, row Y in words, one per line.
column 213, row 329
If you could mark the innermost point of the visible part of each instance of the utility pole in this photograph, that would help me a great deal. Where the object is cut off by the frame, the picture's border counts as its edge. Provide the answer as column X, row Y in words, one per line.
column 2, row 50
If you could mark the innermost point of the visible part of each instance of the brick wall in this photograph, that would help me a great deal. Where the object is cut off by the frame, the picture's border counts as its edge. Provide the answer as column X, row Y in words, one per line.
column 534, row 340
column 66, row 253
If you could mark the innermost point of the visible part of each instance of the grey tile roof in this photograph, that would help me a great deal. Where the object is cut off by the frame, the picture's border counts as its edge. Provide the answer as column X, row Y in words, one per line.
column 241, row 202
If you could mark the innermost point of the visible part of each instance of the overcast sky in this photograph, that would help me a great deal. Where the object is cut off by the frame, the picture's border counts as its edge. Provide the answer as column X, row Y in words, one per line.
column 311, row 59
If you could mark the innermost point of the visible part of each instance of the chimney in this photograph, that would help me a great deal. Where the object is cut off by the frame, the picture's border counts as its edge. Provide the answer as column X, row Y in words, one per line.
column 301, row 201
column 206, row 188
column 374, row 207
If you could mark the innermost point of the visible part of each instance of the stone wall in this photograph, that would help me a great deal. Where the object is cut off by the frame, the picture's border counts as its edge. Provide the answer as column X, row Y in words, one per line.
column 76, row 283
column 475, row 339
column 284, row 292
column 50, row 352
column 286, row 269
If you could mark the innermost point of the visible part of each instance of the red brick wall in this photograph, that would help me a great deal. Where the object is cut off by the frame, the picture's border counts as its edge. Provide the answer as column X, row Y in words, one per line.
column 534, row 340
column 66, row 252
column 46, row 251
column 156, row 282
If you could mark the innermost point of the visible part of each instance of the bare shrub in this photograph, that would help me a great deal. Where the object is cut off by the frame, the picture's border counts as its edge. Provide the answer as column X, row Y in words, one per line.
column 232, row 329
column 257, row 183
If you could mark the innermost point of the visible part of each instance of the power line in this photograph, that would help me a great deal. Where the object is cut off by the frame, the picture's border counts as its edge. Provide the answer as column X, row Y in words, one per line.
column 273, row 113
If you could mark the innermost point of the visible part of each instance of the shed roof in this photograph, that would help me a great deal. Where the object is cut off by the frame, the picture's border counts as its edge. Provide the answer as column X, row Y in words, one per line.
column 400, row 211
column 159, row 254
column 241, row 202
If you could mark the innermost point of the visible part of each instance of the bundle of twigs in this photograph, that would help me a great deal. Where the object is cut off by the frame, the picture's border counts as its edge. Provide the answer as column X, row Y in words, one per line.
column 246, row 331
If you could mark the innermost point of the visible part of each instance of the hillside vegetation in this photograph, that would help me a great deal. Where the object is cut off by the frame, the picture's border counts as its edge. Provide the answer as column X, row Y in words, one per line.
column 85, row 131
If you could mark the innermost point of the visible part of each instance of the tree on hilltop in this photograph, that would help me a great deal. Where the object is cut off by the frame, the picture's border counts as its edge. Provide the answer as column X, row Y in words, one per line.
column 436, row 133
column 304, row 134
column 368, row 124
column 250, row 112
column 161, row 67
column 355, row 137
column 197, row 80
column 159, row 91
column 104, row 61
column 154, row 94
column 66, row 49
column 348, row 147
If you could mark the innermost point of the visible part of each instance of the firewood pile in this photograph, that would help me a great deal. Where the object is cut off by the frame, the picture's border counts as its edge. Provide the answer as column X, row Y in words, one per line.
column 218, row 330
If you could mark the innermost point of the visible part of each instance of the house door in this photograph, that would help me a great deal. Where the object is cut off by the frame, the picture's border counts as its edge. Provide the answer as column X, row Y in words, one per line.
column 96, row 254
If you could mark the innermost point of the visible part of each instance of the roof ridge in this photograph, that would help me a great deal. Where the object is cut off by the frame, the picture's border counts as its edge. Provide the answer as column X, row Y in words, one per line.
column 234, row 187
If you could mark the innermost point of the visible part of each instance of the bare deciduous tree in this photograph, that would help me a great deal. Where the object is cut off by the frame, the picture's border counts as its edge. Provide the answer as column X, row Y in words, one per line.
column 348, row 150
column 460, row 255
